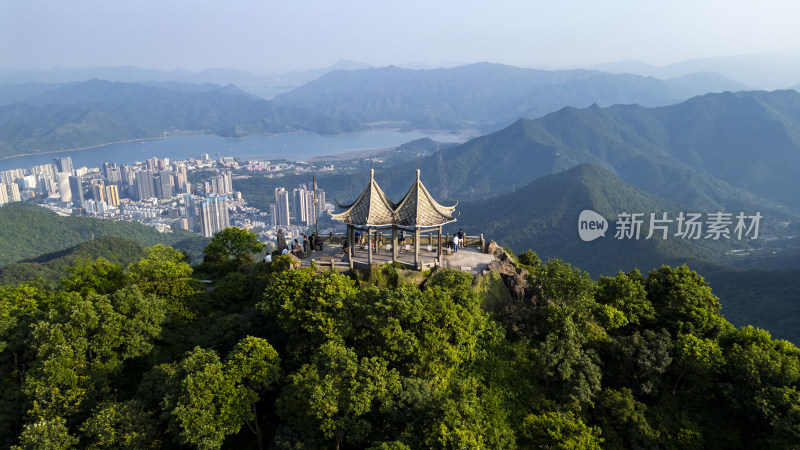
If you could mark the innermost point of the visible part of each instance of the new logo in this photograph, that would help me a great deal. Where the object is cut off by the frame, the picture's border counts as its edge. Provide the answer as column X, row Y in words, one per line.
column 591, row 225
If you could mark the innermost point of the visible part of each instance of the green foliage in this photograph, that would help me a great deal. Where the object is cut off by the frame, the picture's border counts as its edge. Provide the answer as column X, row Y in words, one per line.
column 124, row 425
column 559, row 431
column 29, row 231
column 626, row 293
column 529, row 258
column 623, row 420
column 94, row 277
column 330, row 396
column 165, row 272
column 290, row 358
column 232, row 243
column 215, row 399
column 684, row 302
column 47, row 434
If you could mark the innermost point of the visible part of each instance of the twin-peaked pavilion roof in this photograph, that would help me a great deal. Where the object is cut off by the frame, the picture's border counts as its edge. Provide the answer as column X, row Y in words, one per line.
column 417, row 208
column 371, row 208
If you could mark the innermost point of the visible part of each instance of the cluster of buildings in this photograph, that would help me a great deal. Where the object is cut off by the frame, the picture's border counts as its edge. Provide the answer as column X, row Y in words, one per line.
column 157, row 192
column 300, row 207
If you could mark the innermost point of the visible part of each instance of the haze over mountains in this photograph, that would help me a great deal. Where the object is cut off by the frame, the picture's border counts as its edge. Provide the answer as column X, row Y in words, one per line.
column 562, row 141
column 484, row 96
column 776, row 70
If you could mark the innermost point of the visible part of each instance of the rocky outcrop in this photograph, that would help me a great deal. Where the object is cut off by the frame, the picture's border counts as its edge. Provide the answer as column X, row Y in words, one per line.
column 515, row 278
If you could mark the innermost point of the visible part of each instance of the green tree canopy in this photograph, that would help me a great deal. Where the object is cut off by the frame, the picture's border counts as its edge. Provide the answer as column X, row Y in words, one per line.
column 232, row 243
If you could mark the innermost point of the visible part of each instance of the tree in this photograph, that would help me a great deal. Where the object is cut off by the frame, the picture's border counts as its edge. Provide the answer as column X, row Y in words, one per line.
column 622, row 419
column 684, row 303
column 330, row 397
column 570, row 372
column 638, row 361
column 626, row 293
column 559, row 430
column 529, row 258
column 81, row 343
column 216, row 399
column 97, row 276
column 311, row 308
column 164, row 272
column 232, row 243
column 122, row 425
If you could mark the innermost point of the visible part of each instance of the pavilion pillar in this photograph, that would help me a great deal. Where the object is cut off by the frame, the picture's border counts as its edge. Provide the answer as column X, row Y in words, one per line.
column 369, row 244
column 394, row 243
column 439, row 246
column 349, row 242
column 416, row 248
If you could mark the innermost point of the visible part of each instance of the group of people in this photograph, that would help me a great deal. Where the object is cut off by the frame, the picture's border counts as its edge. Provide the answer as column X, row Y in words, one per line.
column 458, row 240
column 299, row 247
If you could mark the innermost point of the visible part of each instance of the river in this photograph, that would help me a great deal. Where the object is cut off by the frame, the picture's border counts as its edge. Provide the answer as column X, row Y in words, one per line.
column 293, row 146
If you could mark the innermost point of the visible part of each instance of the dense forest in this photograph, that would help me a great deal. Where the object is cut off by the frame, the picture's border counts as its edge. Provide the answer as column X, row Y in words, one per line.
column 233, row 353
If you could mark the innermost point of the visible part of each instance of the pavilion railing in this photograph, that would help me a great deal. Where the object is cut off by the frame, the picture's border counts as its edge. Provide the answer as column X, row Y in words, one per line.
column 427, row 240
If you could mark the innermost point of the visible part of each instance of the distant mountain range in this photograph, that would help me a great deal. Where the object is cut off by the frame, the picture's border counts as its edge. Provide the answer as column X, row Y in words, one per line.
column 715, row 153
column 733, row 151
column 98, row 112
column 483, row 95
column 38, row 117
column 776, row 70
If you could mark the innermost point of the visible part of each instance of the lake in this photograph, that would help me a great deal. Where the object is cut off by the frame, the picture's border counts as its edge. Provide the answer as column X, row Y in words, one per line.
column 293, row 146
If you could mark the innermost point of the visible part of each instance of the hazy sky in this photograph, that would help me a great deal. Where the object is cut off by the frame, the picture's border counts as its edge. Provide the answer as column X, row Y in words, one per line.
column 271, row 36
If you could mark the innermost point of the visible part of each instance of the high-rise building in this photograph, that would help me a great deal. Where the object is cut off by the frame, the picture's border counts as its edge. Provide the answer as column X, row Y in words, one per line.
column 214, row 215
column 180, row 177
column 145, row 188
column 3, row 194
column 163, row 184
column 112, row 195
column 76, row 188
column 106, row 166
column 299, row 205
column 227, row 180
column 190, row 211
column 63, row 164
column 98, row 191
column 13, row 192
column 114, row 175
column 64, row 190
column 281, row 206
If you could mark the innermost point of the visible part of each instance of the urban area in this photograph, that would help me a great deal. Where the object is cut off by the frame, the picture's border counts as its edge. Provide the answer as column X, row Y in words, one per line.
column 158, row 193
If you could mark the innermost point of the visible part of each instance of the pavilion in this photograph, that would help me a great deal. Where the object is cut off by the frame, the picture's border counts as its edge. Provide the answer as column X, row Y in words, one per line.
column 373, row 210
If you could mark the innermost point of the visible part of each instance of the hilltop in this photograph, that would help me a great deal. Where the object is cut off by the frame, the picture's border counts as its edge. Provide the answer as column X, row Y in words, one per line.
column 29, row 231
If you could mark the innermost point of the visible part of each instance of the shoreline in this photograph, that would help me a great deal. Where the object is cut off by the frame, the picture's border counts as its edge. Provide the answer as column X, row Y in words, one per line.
column 457, row 136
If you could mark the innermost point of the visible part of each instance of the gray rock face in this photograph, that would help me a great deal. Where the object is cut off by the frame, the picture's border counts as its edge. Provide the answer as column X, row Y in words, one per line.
column 515, row 278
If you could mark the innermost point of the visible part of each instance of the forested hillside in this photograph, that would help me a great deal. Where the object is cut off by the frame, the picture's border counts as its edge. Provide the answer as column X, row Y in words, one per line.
column 29, row 231
column 538, row 356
